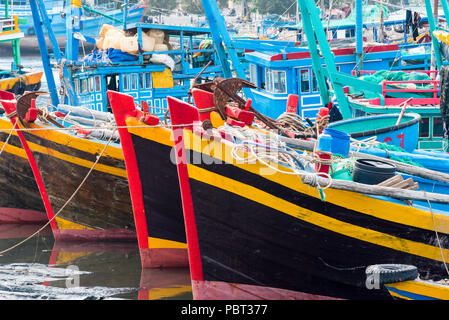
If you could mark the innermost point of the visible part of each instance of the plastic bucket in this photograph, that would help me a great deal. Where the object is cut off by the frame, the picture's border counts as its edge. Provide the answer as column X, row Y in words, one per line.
column 324, row 143
column 372, row 172
column 340, row 142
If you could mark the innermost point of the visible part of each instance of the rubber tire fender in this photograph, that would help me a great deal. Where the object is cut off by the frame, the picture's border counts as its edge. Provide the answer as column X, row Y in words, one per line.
column 391, row 273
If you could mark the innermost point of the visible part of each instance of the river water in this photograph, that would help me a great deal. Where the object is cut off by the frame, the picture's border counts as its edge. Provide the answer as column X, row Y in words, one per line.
column 42, row 268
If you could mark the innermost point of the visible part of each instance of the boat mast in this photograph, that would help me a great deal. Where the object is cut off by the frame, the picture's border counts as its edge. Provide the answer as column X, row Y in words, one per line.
column 221, row 40
column 125, row 14
column 40, row 18
column 436, row 61
column 316, row 38
column 359, row 33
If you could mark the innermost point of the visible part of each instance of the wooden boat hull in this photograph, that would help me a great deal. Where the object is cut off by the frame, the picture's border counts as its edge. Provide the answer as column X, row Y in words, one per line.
column 20, row 83
column 101, row 209
column 154, row 187
column 418, row 290
column 249, row 225
column 20, row 201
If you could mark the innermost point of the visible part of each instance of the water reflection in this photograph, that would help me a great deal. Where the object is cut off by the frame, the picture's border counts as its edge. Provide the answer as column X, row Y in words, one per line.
column 44, row 269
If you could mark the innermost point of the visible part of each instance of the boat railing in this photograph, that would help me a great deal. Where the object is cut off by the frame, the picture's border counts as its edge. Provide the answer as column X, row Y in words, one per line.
column 394, row 95
column 9, row 25
column 431, row 73
column 408, row 89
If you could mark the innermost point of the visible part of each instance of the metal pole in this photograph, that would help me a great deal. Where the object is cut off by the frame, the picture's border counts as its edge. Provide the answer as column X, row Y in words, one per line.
column 44, row 53
column 359, row 33
column 125, row 14
column 381, row 24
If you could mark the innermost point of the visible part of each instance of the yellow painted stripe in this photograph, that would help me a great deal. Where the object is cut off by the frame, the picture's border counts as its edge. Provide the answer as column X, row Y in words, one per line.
column 315, row 218
column 69, row 140
column 364, row 204
column 94, row 148
column 154, row 243
column 78, row 161
column 64, row 224
column 13, row 150
column 423, row 288
column 160, row 135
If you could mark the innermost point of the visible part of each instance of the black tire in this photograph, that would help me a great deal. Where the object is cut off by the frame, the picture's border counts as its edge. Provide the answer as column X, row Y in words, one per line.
column 31, row 31
column 391, row 273
column 444, row 101
column 444, row 92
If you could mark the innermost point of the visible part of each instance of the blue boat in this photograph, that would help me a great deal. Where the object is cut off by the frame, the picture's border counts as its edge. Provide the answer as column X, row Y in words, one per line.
column 91, row 21
column 390, row 129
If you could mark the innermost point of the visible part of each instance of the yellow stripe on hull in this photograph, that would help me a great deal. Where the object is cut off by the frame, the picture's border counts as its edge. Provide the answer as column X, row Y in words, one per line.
column 160, row 135
column 427, row 289
column 64, row 224
column 363, row 204
column 157, row 243
column 85, row 145
column 351, row 200
column 26, row 79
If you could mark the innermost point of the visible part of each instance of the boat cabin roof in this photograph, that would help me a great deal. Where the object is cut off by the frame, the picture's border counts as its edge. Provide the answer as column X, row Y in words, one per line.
column 303, row 53
column 171, row 30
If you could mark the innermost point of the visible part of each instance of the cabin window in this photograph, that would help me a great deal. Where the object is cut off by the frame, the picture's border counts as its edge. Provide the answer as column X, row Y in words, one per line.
column 314, row 83
column 253, row 73
column 125, row 82
column 141, row 81
column 305, row 81
column 83, row 85
column 424, row 126
column 90, row 81
column 134, row 81
column 97, row 83
column 438, row 130
column 147, row 80
column 276, row 81
column 178, row 82
column 77, row 86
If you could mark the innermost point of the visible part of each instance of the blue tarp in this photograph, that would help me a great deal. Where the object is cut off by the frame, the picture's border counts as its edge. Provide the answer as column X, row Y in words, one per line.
column 112, row 55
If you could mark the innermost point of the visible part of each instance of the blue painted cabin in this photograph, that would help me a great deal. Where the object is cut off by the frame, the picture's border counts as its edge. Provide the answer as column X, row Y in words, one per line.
column 278, row 73
column 142, row 79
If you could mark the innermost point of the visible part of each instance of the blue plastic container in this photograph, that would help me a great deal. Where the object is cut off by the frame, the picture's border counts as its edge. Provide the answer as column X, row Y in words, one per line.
column 341, row 142
column 324, row 143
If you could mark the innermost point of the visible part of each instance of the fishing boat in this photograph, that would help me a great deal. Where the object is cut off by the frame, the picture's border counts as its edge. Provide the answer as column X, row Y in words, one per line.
column 307, row 243
column 20, row 202
column 153, row 185
column 98, row 207
column 278, row 74
column 77, row 211
column 91, row 20
column 417, row 96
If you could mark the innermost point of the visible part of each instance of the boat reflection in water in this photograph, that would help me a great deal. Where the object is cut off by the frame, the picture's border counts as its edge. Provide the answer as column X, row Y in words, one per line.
column 41, row 268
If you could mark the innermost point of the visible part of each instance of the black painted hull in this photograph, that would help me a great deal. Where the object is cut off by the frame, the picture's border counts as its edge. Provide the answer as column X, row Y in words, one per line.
column 273, row 232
